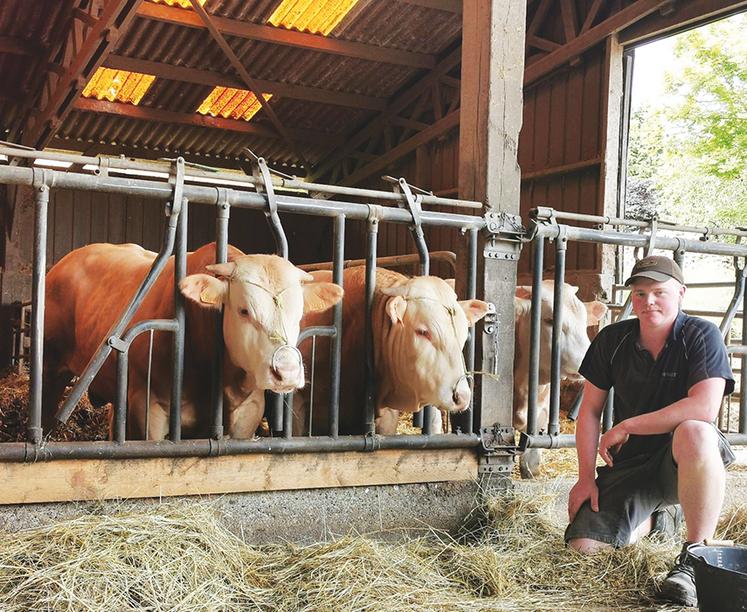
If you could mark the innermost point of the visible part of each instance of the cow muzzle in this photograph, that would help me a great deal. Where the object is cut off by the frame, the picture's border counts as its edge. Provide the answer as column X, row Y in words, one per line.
column 462, row 393
column 287, row 369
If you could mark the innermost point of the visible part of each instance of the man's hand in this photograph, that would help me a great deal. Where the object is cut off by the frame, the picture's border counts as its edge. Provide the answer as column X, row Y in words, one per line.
column 612, row 441
column 583, row 490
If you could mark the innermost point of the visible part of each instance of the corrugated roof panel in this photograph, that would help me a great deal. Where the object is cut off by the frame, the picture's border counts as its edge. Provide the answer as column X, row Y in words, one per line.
column 314, row 16
column 118, row 85
column 231, row 103
column 182, row 3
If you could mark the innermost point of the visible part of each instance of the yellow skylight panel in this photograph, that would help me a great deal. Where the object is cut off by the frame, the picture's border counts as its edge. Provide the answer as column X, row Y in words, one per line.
column 231, row 103
column 182, row 3
column 118, row 85
column 315, row 16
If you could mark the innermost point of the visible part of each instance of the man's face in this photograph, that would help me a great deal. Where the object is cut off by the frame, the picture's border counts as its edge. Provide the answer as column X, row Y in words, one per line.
column 657, row 303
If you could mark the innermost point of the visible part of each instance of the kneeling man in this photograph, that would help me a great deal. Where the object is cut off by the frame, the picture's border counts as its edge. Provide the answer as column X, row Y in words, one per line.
column 669, row 372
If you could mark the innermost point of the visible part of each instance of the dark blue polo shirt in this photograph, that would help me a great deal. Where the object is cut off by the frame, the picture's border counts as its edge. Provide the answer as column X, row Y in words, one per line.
column 694, row 351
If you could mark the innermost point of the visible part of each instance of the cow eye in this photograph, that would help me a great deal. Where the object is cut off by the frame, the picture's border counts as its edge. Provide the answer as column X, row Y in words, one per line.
column 424, row 333
column 244, row 312
column 548, row 320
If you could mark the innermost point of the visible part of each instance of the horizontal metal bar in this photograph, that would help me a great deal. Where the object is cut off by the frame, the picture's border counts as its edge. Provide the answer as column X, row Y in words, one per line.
column 25, row 452
column 319, row 330
column 209, row 195
column 698, row 313
column 569, row 440
column 220, row 177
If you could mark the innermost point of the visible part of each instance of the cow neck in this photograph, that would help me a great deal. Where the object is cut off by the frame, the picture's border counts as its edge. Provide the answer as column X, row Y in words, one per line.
column 280, row 336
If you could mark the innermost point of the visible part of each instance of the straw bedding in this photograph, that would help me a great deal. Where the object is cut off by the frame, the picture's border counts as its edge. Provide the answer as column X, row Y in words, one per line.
column 180, row 556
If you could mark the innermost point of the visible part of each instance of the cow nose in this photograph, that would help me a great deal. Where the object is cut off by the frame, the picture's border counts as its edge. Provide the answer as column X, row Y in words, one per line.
column 287, row 363
column 462, row 393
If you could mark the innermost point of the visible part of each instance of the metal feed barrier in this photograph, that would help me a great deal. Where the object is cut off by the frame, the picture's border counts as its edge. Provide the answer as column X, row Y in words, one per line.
column 545, row 225
column 174, row 187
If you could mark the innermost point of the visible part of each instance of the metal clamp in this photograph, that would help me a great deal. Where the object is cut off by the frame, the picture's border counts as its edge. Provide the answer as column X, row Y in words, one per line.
column 498, row 441
column 117, row 344
column 371, row 442
column 176, row 180
column 413, row 204
column 266, row 186
column 490, row 320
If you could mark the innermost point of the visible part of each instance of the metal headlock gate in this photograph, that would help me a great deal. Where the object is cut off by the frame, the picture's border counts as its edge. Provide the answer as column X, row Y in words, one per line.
column 545, row 224
column 179, row 195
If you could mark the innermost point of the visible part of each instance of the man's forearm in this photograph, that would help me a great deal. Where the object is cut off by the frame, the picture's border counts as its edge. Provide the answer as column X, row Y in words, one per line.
column 667, row 419
column 587, row 441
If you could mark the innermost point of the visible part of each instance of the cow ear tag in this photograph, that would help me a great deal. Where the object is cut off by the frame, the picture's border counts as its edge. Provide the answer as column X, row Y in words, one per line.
column 208, row 297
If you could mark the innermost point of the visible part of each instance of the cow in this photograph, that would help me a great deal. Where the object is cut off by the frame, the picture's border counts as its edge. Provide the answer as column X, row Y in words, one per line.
column 263, row 298
column 419, row 331
column 574, row 342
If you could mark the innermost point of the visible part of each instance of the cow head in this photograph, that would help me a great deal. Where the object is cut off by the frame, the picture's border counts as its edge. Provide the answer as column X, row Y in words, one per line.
column 263, row 299
column 423, row 346
column 574, row 341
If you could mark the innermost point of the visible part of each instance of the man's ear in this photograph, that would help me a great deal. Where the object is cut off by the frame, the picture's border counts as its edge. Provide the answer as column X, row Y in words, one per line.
column 395, row 307
column 204, row 290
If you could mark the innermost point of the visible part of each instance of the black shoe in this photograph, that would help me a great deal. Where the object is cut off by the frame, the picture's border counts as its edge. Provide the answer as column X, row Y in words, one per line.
column 667, row 522
column 679, row 585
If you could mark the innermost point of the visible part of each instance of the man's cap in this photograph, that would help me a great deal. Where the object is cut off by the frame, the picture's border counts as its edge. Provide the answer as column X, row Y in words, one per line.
column 657, row 268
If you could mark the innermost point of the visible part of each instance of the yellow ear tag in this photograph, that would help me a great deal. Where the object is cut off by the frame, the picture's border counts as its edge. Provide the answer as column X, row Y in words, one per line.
column 208, row 297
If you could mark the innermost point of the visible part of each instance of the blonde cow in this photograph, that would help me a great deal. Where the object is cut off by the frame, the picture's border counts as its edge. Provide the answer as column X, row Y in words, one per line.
column 263, row 299
column 419, row 331
column 574, row 341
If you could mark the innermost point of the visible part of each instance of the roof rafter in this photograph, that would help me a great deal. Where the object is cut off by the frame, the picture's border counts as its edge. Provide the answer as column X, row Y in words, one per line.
column 144, row 113
column 215, row 79
column 95, row 45
column 281, row 36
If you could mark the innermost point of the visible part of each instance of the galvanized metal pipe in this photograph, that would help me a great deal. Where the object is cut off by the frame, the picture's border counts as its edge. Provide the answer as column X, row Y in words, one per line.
column 177, row 361
column 534, row 333
column 569, row 440
column 34, row 429
column 223, row 214
column 742, row 385
column 736, row 300
column 370, row 391
column 471, row 294
column 608, row 413
column 336, row 344
column 561, row 246
column 120, row 404
column 142, row 449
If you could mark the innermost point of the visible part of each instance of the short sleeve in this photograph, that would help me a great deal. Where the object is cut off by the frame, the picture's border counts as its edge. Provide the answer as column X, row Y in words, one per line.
column 596, row 366
column 707, row 358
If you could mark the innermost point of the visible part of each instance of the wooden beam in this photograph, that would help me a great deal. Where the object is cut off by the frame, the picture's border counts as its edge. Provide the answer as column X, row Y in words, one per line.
column 281, row 36
column 451, row 6
column 568, row 15
column 686, row 15
column 143, row 113
column 542, row 44
column 18, row 46
column 564, row 169
column 99, row 479
column 591, row 15
column 248, row 79
column 622, row 19
column 395, row 108
column 214, row 79
column 449, row 122
column 96, row 45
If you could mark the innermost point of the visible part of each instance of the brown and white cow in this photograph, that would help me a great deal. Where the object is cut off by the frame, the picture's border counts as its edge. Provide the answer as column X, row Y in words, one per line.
column 574, row 342
column 419, row 331
column 263, row 297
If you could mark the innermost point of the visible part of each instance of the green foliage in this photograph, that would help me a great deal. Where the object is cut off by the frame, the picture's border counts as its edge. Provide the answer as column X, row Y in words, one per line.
column 687, row 157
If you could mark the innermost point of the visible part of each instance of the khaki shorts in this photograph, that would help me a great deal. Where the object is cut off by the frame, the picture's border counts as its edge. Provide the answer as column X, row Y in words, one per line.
column 629, row 493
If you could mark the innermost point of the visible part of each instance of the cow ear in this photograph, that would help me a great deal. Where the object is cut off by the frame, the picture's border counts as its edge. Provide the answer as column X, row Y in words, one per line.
column 524, row 292
column 320, row 296
column 395, row 290
column 395, row 308
column 474, row 310
column 594, row 312
column 203, row 289
column 224, row 270
column 451, row 282
column 522, row 307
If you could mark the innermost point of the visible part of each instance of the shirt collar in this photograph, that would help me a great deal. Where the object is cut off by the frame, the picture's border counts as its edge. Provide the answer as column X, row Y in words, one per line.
column 673, row 334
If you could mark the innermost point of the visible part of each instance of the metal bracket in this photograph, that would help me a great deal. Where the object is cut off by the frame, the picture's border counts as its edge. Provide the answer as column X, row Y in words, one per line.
column 490, row 320
column 118, row 344
column 413, row 204
column 498, row 441
column 176, row 180
column 371, row 442
column 494, row 464
column 505, row 234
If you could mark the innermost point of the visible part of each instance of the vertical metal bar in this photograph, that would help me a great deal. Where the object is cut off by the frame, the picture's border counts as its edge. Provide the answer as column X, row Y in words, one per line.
column 743, row 373
column 287, row 404
column 177, row 362
column 336, row 344
column 147, row 386
column 34, row 430
column 471, row 294
column 120, row 406
column 417, row 418
column 534, row 334
column 370, row 398
column 221, row 256
column 609, row 411
column 276, row 411
column 427, row 414
column 561, row 246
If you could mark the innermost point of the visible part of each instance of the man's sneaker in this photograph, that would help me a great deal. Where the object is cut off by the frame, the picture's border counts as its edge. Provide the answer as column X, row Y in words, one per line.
column 679, row 585
column 667, row 522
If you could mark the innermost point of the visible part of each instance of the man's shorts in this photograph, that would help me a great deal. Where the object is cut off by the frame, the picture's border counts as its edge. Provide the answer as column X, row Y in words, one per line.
column 629, row 493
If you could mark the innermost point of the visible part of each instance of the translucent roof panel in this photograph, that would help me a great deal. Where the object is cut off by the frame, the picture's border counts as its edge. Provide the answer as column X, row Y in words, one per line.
column 231, row 103
column 315, row 16
column 118, row 85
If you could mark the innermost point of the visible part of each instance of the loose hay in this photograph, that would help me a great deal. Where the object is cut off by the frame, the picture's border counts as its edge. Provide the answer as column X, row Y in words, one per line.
column 86, row 422
column 182, row 557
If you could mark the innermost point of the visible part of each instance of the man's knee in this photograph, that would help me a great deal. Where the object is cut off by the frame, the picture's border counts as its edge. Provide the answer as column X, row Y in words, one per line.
column 694, row 440
column 587, row 546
